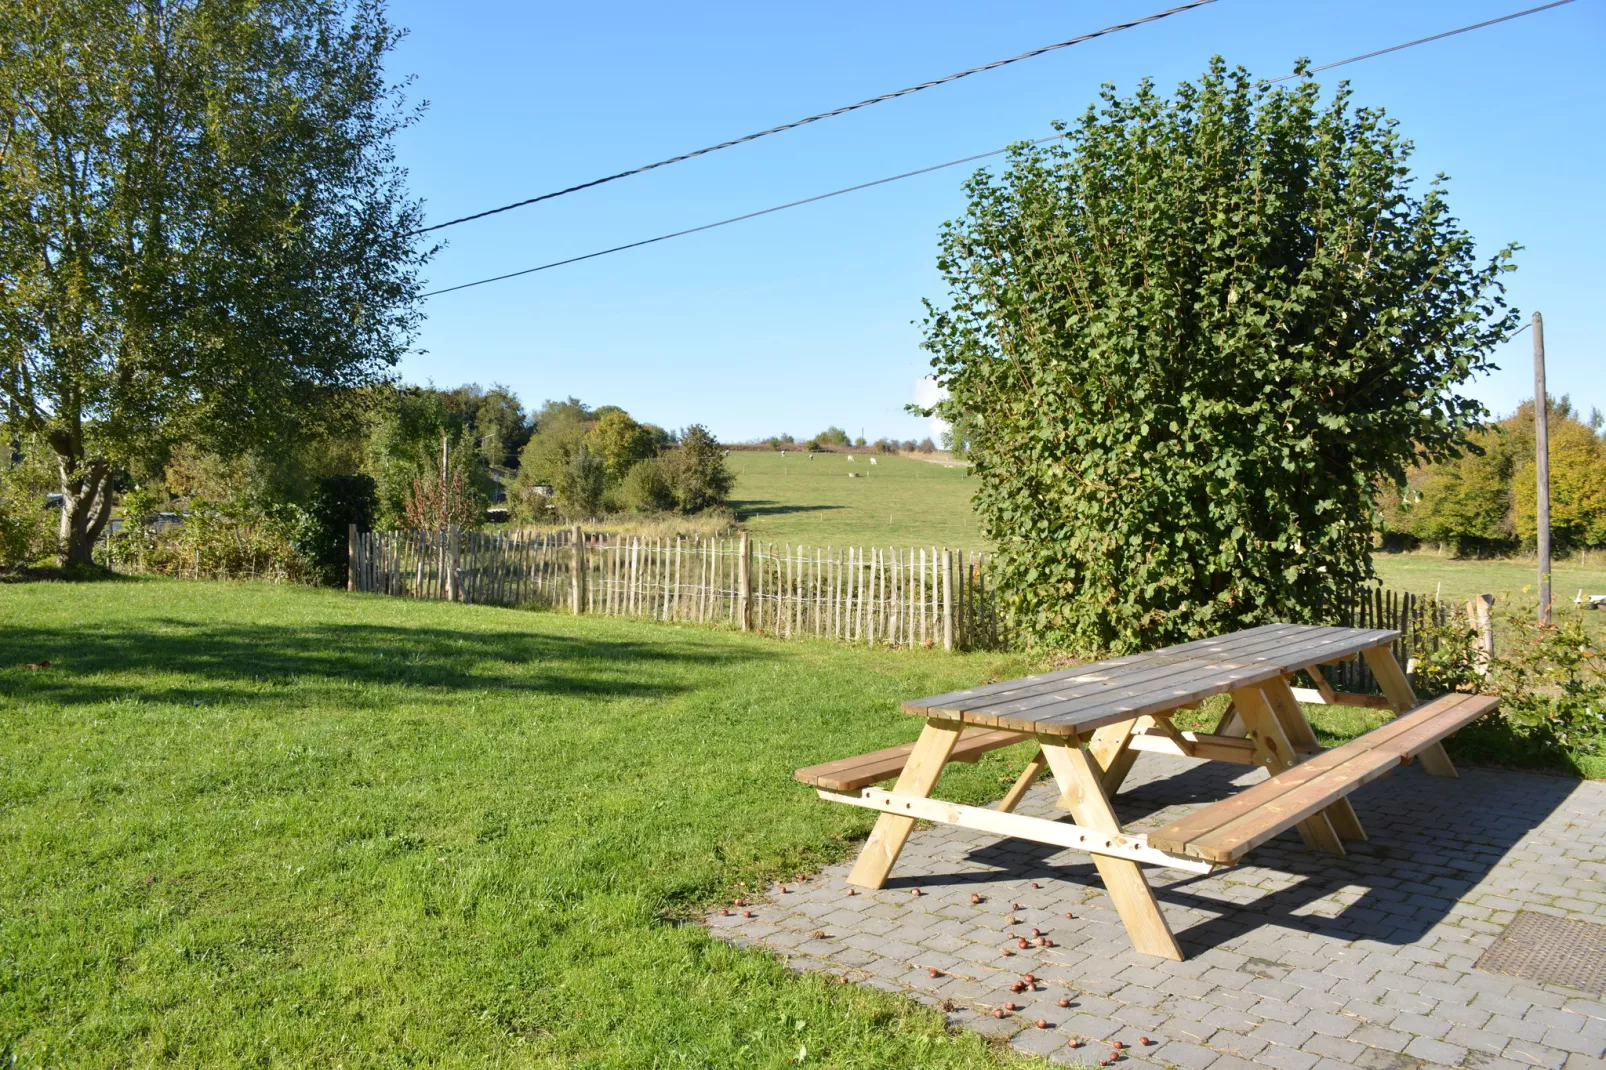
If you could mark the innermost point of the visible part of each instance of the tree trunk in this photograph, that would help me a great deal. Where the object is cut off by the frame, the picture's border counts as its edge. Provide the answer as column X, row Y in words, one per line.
column 85, row 507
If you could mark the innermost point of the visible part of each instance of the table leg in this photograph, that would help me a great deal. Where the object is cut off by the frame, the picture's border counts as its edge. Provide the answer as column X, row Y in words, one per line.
column 1395, row 684
column 1082, row 793
column 1108, row 748
column 1022, row 783
column 1291, row 715
column 919, row 777
column 1275, row 751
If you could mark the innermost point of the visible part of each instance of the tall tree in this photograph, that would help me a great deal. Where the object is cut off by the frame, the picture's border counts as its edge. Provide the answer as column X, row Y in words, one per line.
column 204, row 235
column 1191, row 338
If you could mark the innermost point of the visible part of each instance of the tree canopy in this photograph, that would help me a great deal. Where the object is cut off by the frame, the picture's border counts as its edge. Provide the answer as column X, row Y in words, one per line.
column 1189, row 341
column 204, row 235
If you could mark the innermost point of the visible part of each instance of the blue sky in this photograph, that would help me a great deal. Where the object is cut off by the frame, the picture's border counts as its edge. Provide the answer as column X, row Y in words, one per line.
column 809, row 317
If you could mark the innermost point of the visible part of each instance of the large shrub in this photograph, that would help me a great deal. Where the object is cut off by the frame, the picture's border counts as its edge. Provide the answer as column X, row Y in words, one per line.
column 1189, row 341
column 338, row 503
column 697, row 471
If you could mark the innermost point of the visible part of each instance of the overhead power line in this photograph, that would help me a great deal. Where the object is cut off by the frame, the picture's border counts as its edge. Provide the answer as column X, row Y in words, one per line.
column 1422, row 40
column 941, row 166
column 822, row 115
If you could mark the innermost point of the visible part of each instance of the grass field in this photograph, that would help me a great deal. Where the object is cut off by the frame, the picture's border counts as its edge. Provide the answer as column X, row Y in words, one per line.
column 901, row 501
column 272, row 826
column 253, row 825
column 898, row 501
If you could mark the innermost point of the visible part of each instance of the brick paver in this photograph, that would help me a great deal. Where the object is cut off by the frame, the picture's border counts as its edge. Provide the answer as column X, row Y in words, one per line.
column 1297, row 960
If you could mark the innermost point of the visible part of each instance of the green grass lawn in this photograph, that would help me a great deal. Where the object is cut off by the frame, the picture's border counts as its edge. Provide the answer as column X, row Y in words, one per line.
column 898, row 501
column 1517, row 578
column 254, row 825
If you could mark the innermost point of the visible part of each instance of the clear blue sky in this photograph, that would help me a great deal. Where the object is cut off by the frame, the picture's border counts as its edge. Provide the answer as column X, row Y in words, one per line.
column 806, row 318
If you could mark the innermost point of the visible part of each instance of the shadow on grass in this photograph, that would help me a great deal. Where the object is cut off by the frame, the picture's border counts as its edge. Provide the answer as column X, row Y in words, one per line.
column 746, row 510
column 219, row 654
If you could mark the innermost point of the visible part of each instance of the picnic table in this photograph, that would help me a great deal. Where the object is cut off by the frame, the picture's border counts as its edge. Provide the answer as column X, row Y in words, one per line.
column 1092, row 721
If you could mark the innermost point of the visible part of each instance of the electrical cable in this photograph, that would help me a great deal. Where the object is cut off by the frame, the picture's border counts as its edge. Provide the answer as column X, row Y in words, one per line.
column 822, row 115
column 1420, row 41
column 936, row 167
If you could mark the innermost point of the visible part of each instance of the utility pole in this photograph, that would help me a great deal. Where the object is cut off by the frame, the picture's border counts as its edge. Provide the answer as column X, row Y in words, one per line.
column 1542, row 466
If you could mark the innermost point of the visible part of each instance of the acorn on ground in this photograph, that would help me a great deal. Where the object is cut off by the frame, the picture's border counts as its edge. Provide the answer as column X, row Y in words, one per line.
column 1117, row 1045
column 914, row 891
column 1030, row 979
column 1012, row 1006
column 1145, row 1041
column 1068, row 914
column 1037, row 931
column 1062, row 1002
column 1022, row 944
column 998, row 1012
column 1018, row 986
column 747, row 913
column 1036, row 885
column 853, row 891
column 1041, row 1024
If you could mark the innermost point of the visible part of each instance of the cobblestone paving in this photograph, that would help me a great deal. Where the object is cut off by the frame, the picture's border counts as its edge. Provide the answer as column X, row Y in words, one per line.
column 1297, row 961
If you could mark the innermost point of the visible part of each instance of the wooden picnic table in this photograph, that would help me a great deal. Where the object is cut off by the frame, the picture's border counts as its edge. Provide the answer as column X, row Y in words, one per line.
column 1091, row 721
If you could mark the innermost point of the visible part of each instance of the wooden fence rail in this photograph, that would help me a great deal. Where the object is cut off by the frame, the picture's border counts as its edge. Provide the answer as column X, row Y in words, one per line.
column 902, row 596
column 897, row 596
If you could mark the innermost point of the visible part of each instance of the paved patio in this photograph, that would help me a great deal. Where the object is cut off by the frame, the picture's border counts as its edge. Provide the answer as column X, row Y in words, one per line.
column 1298, row 960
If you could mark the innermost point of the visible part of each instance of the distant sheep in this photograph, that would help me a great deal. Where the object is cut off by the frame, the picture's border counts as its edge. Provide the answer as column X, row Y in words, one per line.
column 872, row 460
column 853, row 475
column 850, row 458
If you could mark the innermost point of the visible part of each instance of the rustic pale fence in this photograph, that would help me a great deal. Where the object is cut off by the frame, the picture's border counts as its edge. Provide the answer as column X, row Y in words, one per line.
column 899, row 596
column 895, row 596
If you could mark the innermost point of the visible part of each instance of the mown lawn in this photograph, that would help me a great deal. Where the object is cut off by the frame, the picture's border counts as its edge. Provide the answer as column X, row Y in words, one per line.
column 271, row 826
column 898, row 501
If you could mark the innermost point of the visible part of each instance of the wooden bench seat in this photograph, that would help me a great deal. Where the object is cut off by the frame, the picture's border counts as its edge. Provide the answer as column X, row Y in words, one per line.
column 1225, row 831
column 851, row 774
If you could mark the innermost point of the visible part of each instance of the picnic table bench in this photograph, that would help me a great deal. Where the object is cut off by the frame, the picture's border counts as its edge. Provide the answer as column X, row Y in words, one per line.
column 1091, row 721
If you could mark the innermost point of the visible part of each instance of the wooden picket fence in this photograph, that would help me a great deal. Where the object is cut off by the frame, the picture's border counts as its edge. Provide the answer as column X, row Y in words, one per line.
column 894, row 596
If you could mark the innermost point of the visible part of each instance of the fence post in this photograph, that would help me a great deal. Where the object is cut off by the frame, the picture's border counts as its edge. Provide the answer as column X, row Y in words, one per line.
column 1478, row 614
column 947, row 599
column 351, row 557
column 744, row 584
column 454, row 548
column 576, row 566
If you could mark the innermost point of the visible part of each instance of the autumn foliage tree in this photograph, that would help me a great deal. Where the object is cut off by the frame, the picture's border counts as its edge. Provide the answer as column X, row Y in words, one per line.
column 1189, row 341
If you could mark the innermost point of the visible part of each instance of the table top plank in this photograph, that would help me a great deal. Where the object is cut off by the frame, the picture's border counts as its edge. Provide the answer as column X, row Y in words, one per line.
column 1081, row 698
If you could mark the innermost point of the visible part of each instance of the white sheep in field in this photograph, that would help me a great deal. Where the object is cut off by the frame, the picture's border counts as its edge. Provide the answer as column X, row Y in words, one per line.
column 850, row 458
column 872, row 460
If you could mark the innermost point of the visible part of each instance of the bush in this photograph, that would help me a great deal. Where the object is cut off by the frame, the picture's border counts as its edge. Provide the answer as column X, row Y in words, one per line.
column 1192, row 338
column 1551, row 680
column 833, row 436
column 24, row 530
column 321, row 538
column 219, row 541
column 579, row 486
column 927, row 446
column 645, row 489
column 697, row 471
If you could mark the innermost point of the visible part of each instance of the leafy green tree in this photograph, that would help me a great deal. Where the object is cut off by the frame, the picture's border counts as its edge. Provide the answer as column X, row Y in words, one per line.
column 1463, row 502
column 646, row 488
column 500, row 426
column 203, row 231
column 580, row 484
column 619, row 443
column 833, row 436
column 1193, row 337
column 1577, row 485
column 697, row 472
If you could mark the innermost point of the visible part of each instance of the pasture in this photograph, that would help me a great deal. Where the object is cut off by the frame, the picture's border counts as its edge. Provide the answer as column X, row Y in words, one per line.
column 901, row 501
column 898, row 501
